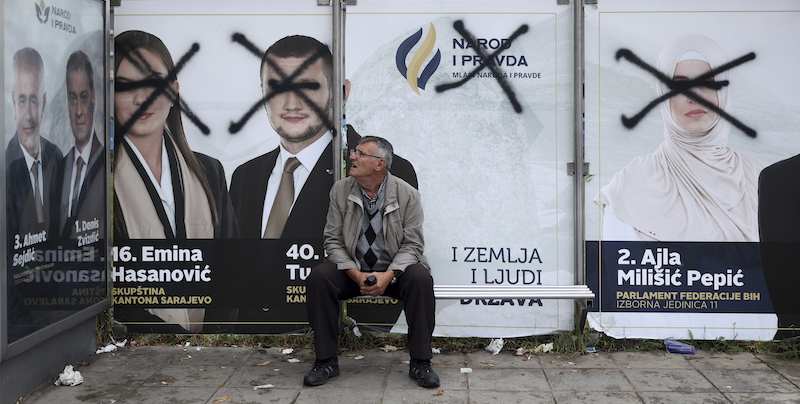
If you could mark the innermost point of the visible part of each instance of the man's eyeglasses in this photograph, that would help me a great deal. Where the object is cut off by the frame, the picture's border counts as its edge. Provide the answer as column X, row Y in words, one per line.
column 360, row 154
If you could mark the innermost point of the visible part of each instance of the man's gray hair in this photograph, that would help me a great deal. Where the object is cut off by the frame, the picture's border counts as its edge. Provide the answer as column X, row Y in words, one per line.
column 29, row 60
column 385, row 150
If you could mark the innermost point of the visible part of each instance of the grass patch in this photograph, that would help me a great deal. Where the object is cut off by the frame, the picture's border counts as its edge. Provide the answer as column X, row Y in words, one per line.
column 570, row 343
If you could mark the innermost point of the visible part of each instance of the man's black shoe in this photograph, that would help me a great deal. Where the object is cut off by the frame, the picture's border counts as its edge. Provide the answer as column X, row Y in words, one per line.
column 322, row 370
column 420, row 370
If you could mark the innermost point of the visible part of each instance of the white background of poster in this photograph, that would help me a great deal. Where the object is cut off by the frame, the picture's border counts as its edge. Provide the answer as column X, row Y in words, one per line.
column 763, row 95
column 222, row 82
column 489, row 177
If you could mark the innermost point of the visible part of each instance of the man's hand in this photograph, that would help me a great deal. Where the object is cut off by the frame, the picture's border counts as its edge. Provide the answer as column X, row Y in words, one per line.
column 384, row 279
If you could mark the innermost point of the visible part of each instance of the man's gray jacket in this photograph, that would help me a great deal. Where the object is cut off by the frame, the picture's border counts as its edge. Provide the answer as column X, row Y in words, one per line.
column 402, row 224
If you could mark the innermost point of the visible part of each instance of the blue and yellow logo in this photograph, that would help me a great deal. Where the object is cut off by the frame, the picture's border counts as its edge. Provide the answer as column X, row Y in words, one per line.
column 42, row 12
column 411, row 72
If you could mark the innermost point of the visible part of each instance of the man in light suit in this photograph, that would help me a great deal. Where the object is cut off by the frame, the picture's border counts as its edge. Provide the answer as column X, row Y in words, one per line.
column 305, row 136
column 82, row 186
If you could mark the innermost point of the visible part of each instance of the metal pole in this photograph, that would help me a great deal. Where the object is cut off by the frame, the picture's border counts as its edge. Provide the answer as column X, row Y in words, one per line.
column 577, row 93
column 339, row 135
column 577, row 81
column 4, row 265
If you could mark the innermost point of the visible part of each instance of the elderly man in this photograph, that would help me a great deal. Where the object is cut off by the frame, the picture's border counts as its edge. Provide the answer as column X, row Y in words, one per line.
column 31, row 189
column 373, row 237
column 31, row 160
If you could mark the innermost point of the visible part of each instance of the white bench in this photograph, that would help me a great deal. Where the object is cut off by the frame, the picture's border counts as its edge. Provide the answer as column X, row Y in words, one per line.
column 580, row 293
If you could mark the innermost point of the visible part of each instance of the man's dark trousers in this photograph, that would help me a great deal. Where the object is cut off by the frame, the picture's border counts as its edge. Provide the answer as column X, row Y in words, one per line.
column 326, row 286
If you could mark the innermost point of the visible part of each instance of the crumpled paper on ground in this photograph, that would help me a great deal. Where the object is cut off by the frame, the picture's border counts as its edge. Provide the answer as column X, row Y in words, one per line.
column 111, row 347
column 356, row 331
column 69, row 377
column 544, row 348
column 495, row 346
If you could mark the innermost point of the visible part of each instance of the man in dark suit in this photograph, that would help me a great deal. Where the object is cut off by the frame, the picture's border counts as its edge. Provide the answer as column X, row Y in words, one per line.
column 779, row 229
column 82, row 187
column 31, row 187
column 304, row 136
column 299, row 126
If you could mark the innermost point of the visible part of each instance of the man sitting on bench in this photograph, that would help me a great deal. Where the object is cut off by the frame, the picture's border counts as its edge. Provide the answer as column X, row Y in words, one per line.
column 373, row 237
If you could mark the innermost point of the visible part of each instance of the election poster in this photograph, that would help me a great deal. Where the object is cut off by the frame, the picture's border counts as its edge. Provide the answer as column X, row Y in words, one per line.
column 55, row 153
column 477, row 96
column 687, row 212
column 208, row 261
column 488, row 156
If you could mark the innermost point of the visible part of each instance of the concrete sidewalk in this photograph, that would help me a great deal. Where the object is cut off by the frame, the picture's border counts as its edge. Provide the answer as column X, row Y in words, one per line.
column 187, row 375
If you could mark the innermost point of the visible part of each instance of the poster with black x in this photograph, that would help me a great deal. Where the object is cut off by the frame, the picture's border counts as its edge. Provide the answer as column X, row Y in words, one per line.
column 477, row 95
column 683, row 116
column 474, row 98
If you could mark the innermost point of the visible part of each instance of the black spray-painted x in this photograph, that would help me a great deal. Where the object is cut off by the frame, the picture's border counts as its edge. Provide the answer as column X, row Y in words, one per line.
column 161, row 86
column 286, row 84
column 487, row 63
column 684, row 87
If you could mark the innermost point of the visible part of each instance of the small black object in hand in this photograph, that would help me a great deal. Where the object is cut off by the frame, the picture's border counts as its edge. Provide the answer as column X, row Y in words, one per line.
column 371, row 280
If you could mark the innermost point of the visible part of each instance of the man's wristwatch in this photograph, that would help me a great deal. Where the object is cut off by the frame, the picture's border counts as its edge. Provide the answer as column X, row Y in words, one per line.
column 395, row 275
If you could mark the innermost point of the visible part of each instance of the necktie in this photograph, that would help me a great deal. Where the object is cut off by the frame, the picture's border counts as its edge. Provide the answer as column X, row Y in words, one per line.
column 283, row 200
column 37, row 195
column 76, row 188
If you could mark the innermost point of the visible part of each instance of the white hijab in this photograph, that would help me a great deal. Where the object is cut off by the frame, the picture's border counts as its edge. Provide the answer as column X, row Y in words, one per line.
column 693, row 187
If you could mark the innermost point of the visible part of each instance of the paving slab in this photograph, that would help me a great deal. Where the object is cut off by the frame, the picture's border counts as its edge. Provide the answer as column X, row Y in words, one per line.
column 250, row 396
column 596, row 361
column 170, row 395
column 195, row 375
column 707, row 360
column 594, row 380
column 251, row 376
column 649, row 360
column 418, row 395
column 684, row 398
column 507, row 397
column 596, row 397
column 221, row 357
column 504, row 360
column 750, row 381
column 788, row 368
column 669, row 380
column 508, row 380
column 763, row 398
column 316, row 395
column 82, row 393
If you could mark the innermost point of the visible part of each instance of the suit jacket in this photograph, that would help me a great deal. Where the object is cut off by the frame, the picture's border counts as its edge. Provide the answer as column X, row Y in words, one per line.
column 307, row 218
column 779, row 230
column 91, row 202
column 20, row 206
